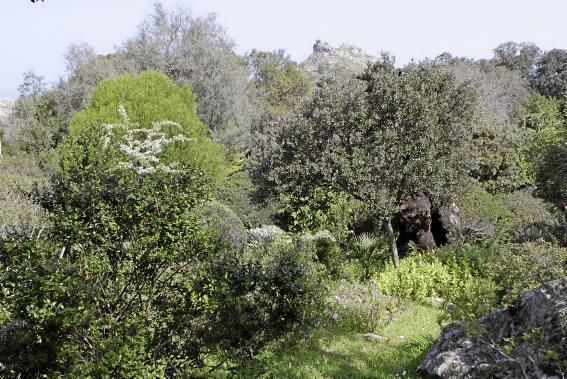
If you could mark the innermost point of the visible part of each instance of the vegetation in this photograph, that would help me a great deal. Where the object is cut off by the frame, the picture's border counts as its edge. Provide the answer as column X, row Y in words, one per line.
column 138, row 198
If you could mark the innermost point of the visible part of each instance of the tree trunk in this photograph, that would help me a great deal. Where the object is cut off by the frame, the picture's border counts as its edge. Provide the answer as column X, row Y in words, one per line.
column 392, row 242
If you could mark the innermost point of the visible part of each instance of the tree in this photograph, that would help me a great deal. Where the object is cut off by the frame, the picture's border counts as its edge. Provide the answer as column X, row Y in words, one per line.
column 544, row 153
column 283, row 84
column 497, row 132
column 147, row 98
column 197, row 52
column 378, row 139
column 520, row 57
column 108, row 279
column 550, row 74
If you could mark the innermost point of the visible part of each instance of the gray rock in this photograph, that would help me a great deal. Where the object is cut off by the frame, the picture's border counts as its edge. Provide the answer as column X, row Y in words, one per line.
column 446, row 224
column 265, row 234
column 328, row 60
column 528, row 339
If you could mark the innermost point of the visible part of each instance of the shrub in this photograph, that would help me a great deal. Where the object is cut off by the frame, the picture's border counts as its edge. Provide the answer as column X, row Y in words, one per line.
column 321, row 209
column 420, row 277
column 359, row 306
column 520, row 267
column 250, row 300
column 327, row 251
column 222, row 222
column 370, row 252
column 482, row 213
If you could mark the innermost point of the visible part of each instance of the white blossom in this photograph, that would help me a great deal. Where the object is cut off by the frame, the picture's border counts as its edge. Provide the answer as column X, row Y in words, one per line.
column 142, row 146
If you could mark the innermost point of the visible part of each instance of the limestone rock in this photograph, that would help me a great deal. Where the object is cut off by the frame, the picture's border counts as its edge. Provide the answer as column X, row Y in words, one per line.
column 327, row 60
column 528, row 339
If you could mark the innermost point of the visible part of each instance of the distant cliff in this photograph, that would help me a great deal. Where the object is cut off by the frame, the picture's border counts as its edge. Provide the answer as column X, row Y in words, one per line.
column 326, row 60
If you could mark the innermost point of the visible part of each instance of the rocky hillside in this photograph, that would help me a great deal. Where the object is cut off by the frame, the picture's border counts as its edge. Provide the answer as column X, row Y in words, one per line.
column 5, row 109
column 325, row 60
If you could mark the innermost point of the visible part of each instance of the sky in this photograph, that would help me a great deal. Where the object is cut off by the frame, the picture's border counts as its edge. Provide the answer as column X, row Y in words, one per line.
column 36, row 36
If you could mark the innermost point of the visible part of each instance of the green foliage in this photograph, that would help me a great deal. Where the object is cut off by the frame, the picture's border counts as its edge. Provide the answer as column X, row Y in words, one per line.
column 533, row 220
column 549, row 77
column 552, row 174
column 544, row 115
column 222, row 222
column 498, row 165
column 321, row 209
column 267, row 294
column 237, row 192
column 19, row 174
column 454, row 279
column 283, row 83
column 370, row 252
column 377, row 139
column 327, row 251
column 196, row 51
column 520, row 267
column 482, row 213
column 147, row 98
column 517, row 56
column 360, row 307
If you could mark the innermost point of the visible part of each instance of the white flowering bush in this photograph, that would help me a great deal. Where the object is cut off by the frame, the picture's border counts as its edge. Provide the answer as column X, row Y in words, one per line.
column 142, row 146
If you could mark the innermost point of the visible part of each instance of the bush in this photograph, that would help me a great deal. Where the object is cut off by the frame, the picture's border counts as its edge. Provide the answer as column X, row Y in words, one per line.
column 533, row 220
column 482, row 213
column 370, row 252
column 420, row 277
column 328, row 253
column 250, row 300
column 322, row 209
column 359, row 306
column 222, row 222
column 520, row 267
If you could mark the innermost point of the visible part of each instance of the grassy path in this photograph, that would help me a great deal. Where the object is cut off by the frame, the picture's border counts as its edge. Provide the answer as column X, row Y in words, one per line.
column 345, row 354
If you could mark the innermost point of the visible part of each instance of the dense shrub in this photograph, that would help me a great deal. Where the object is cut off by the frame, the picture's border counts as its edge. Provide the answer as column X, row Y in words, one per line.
column 419, row 277
column 482, row 213
column 250, row 300
column 327, row 251
column 223, row 223
column 519, row 267
column 360, row 306
column 370, row 251
column 321, row 209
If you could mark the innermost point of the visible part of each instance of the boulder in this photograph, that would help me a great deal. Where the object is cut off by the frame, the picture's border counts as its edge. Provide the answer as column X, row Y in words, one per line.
column 528, row 339
column 446, row 223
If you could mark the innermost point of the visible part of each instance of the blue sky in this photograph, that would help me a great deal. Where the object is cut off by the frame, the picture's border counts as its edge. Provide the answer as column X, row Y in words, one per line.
column 35, row 36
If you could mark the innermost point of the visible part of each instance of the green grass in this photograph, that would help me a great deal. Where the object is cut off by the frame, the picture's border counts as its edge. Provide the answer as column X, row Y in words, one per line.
column 340, row 353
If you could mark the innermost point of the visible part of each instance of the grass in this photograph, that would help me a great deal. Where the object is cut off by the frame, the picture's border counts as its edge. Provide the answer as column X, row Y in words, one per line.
column 336, row 352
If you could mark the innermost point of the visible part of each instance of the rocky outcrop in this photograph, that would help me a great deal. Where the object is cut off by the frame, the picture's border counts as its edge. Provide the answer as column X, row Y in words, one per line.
column 528, row 339
column 327, row 60
column 446, row 223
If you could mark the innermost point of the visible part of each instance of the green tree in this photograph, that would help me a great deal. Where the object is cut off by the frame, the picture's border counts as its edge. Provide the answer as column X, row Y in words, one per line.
column 196, row 51
column 517, row 56
column 283, row 84
column 549, row 77
column 379, row 138
column 146, row 98
column 106, row 287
